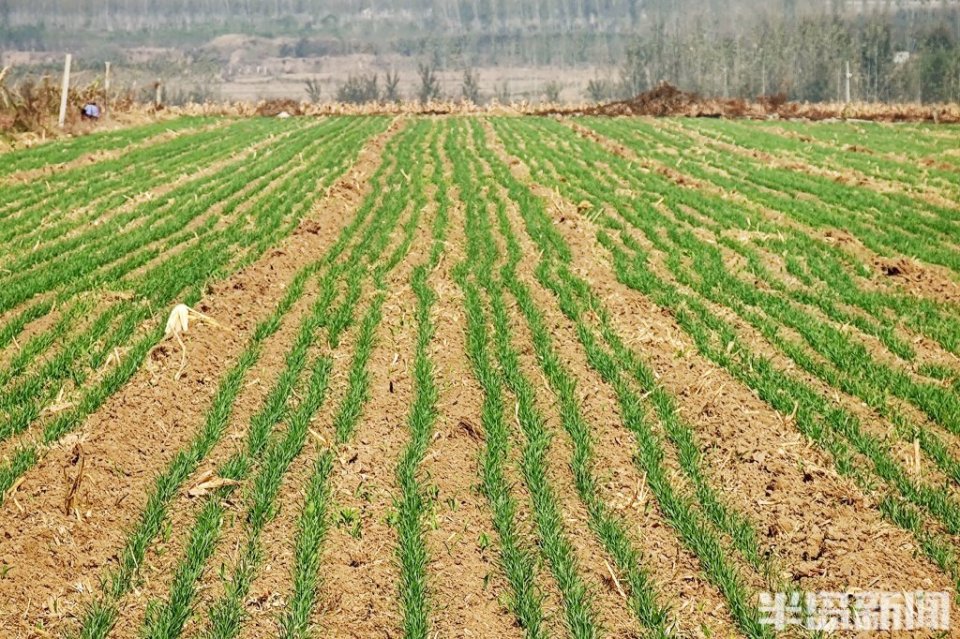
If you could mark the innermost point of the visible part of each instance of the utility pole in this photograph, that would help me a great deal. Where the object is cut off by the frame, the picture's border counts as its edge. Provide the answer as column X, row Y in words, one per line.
column 847, row 85
column 106, row 91
column 64, row 90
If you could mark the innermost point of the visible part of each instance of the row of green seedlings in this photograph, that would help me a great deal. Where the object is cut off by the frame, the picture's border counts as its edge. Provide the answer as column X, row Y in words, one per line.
column 61, row 151
column 846, row 363
column 518, row 561
column 611, row 533
column 478, row 192
column 887, row 152
column 833, row 428
column 65, row 299
column 101, row 617
column 413, row 503
column 831, row 276
column 704, row 523
column 93, row 213
column 269, row 462
column 874, row 218
column 939, row 403
column 777, row 189
column 225, row 616
column 88, row 276
column 137, row 264
column 313, row 522
column 42, row 210
column 913, row 141
column 747, row 141
column 183, row 278
column 127, row 235
column 128, row 314
column 64, row 359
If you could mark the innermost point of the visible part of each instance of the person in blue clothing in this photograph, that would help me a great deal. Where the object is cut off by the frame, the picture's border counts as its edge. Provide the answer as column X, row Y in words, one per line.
column 90, row 111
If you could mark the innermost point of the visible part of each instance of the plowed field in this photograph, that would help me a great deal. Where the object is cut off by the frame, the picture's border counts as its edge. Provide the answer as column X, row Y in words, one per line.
column 476, row 376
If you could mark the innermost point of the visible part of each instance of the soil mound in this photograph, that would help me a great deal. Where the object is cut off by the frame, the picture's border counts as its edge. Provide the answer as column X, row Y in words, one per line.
column 667, row 100
column 273, row 108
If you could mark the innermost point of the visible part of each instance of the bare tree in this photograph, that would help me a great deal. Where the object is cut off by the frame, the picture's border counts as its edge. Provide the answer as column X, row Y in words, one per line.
column 471, row 86
column 391, row 87
column 551, row 91
column 429, row 84
column 312, row 87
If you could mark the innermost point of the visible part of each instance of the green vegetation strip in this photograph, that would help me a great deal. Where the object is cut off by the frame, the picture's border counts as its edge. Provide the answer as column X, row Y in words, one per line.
column 696, row 528
column 181, row 277
column 833, row 428
column 579, row 607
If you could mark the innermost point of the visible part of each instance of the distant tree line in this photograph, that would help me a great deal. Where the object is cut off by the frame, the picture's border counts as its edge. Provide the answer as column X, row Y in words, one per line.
column 892, row 57
column 896, row 49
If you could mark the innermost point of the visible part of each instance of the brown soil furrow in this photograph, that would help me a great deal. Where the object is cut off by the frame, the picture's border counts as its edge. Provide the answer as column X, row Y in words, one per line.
column 674, row 570
column 138, row 430
column 816, row 520
column 466, row 582
column 162, row 561
column 822, row 527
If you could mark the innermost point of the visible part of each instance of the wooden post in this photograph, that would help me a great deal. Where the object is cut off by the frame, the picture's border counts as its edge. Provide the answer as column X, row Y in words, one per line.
column 64, row 90
column 159, row 98
column 106, row 91
column 848, row 76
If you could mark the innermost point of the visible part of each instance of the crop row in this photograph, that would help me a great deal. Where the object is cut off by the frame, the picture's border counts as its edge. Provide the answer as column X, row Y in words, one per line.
column 166, row 261
column 260, row 468
column 664, row 258
column 42, row 212
column 887, row 223
column 58, row 152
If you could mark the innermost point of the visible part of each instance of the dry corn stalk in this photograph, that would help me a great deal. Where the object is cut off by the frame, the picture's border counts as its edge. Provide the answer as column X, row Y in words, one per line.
column 207, row 482
column 179, row 322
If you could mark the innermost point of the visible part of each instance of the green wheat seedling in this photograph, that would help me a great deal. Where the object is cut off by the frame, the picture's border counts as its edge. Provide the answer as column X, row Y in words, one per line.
column 578, row 604
column 168, row 618
column 682, row 515
column 182, row 277
column 227, row 613
column 102, row 614
column 412, row 505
